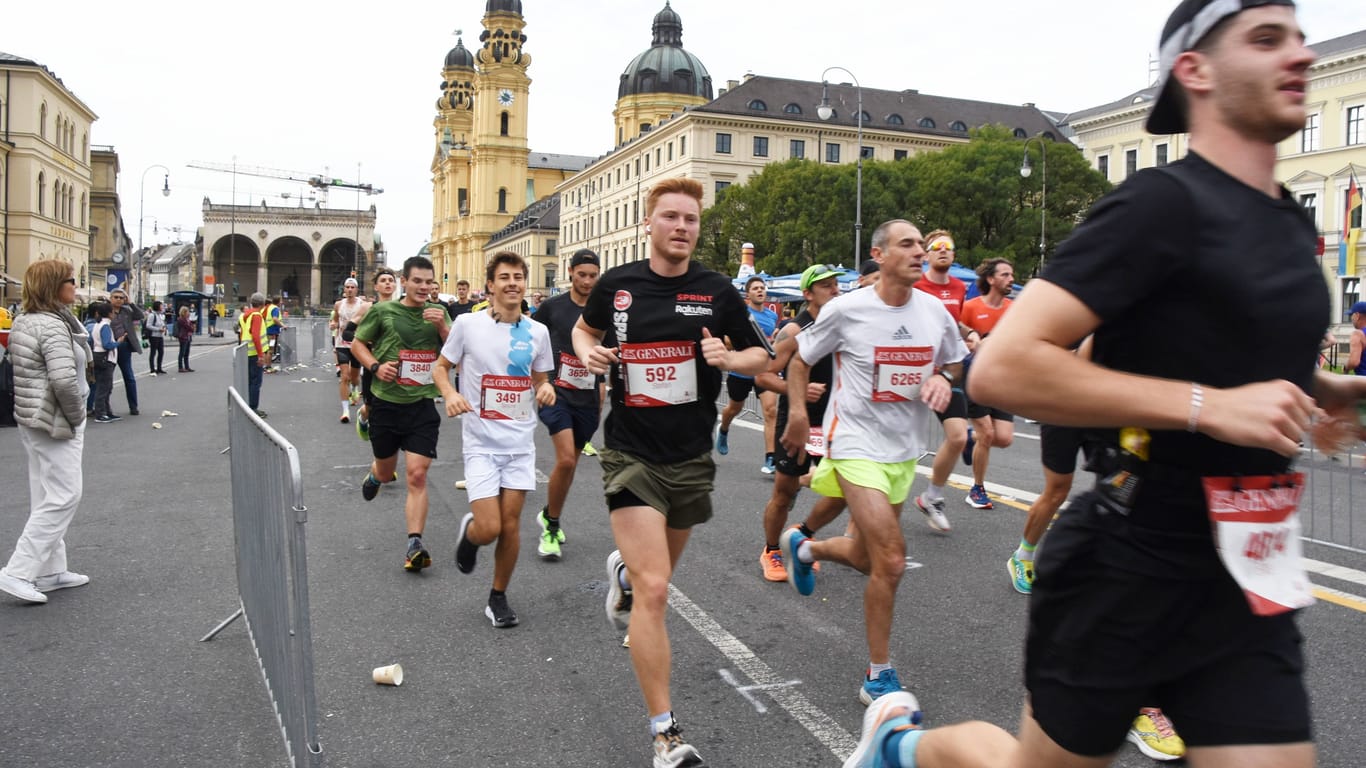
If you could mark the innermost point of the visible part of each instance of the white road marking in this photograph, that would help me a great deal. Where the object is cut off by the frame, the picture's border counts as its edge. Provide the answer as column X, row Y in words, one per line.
column 744, row 690
column 828, row 732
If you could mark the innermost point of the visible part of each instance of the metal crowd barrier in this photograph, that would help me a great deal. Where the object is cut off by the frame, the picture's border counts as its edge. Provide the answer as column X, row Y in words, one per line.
column 240, row 361
column 272, row 573
column 1336, row 492
column 322, row 337
column 288, row 347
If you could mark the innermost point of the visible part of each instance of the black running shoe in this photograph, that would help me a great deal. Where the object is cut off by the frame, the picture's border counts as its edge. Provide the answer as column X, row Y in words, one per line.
column 369, row 487
column 465, row 550
column 499, row 612
column 417, row 557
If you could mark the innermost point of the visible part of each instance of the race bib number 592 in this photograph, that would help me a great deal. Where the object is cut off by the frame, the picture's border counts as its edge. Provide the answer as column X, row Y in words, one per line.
column 658, row 374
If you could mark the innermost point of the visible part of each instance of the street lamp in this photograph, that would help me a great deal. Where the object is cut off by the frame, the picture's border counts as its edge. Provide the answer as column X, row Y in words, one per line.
column 826, row 112
column 1025, row 170
column 165, row 192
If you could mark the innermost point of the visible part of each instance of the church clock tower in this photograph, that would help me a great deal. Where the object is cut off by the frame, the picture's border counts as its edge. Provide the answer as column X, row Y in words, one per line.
column 454, row 129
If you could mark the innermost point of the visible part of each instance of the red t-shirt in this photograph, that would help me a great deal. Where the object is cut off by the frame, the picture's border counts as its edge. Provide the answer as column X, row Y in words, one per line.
column 980, row 317
column 951, row 293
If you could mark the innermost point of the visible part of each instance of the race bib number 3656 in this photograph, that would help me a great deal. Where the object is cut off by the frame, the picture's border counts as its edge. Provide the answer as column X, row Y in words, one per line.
column 658, row 374
column 1257, row 531
column 899, row 371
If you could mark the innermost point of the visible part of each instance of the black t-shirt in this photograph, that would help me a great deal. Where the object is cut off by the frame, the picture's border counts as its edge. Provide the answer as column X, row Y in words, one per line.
column 823, row 372
column 456, row 309
column 1197, row 276
column 633, row 305
column 559, row 314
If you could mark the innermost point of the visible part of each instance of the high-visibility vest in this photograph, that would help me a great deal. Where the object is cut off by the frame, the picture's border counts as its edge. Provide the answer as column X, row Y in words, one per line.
column 244, row 330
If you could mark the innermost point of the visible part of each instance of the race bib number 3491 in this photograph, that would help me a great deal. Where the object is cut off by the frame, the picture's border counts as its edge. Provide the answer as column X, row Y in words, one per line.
column 659, row 374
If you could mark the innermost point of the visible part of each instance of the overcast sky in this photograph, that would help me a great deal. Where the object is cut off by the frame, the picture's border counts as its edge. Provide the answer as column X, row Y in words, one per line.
column 314, row 88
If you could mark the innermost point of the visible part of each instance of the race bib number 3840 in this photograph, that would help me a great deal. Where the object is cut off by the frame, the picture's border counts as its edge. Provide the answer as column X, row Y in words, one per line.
column 659, row 374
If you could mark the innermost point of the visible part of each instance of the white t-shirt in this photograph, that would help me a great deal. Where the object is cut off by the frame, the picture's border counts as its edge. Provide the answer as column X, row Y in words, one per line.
column 345, row 314
column 496, row 361
column 882, row 356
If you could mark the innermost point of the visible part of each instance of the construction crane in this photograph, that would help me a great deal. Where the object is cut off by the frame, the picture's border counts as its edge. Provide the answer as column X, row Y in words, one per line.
column 321, row 182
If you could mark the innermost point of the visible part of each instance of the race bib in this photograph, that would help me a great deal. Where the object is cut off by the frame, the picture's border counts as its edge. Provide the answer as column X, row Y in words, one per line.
column 899, row 371
column 658, row 374
column 815, row 442
column 1257, row 532
column 505, row 397
column 573, row 373
column 415, row 367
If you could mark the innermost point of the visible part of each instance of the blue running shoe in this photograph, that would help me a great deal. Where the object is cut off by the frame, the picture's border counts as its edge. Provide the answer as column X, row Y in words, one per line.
column 893, row 712
column 799, row 574
column 978, row 498
column 722, row 442
column 968, row 446
column 1021, row 574
column 872, row 690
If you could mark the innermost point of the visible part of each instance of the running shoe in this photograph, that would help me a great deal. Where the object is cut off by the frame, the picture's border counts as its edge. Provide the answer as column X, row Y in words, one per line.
column 799, row 574
column 544, row 519
column 618, row 597
column 896, row 711
column 874, row 689
column 978, row 498
column 499, row 612
column 417, row 557
column 1021, row 574
column 767, row 468
column 345, row 417
column 722, row 442
column 465, row 550
column 968, row 447
column 369, row 487
column 934, row 513
column 772, row 563
column 1155, row 737
column 671, row 751
column 362, row 428
column 589, row 450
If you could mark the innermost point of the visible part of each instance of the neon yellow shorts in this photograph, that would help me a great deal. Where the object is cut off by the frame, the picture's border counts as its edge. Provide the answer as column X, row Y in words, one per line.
column 892, row 479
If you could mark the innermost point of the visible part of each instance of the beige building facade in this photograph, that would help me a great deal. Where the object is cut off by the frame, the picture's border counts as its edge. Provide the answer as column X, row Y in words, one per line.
column 111, row 251
column 1316, row 164
column 45, row 174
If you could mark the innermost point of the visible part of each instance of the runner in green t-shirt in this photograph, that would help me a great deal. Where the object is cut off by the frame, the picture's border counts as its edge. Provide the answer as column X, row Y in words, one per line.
column 398, row 342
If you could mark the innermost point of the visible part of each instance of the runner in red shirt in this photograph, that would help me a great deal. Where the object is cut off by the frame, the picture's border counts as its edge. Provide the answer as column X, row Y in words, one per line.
column 994, row 427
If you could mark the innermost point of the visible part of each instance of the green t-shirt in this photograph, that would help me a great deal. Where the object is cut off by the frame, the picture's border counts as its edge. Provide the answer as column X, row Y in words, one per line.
column 397, row 333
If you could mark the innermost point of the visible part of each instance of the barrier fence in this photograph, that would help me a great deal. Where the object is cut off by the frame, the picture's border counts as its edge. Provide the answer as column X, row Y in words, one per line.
column 268, row 516
column 1336, row 485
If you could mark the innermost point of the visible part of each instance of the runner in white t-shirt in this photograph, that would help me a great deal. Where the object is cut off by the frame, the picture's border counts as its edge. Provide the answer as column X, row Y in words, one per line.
column 888, row 344
column 347, row 312
column 505, row 362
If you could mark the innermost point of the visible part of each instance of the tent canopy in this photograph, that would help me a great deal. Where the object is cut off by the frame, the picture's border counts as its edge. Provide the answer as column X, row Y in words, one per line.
column 785, row 288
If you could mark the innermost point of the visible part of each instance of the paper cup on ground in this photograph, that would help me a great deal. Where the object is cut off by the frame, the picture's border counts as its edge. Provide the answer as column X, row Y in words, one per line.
column 390, row 675
column 459, row 485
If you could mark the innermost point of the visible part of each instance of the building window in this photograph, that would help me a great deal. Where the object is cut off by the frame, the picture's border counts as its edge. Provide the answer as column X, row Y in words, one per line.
column 1354, row 220
column 682, row 146
column 1160, row 155
column 797, row 149
column 41, row 192
column 832, row 153
column 550, row 245
column 1354, row 125
column 1103, row 166
column 42, row 123
column 671, row 151
column 958, row 125
column 793, row 109
column 895, row 119
column 503, row 124
column 1130, row 162
column 1310, row 137
column 1351, row 294
column 1020, row 133
column 926, row 122
column 502, row 200
column 866, row 153
column 530, row 191
column 647, row 162
column 638, row 166
column 658, row 155
column 628, row 175
column 723, row 143
column 720, row 186
column 462, row 201
column 645, row 127
column 620, row 133
column 758, row 105
column 761, row 146
column 898, row 154
column 1310, row 202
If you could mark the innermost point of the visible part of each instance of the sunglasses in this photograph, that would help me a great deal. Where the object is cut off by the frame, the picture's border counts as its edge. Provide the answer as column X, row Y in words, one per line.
column 940, row 245
column 70, row 280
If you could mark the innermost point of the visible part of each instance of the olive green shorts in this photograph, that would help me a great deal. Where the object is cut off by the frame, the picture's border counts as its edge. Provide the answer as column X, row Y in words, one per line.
column 680, row 491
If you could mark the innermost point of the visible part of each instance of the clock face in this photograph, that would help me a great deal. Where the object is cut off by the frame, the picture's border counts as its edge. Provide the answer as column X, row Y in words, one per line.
column 505, row 97
column 117, row 258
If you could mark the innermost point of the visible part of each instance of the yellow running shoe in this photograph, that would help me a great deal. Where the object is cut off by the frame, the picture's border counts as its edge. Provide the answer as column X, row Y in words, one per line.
column 1155, row 737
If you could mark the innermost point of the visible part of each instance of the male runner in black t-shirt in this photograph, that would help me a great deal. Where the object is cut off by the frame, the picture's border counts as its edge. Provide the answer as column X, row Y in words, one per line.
column 657, row 327
column 573, row 418
column 463, row 303
column 1200, row 410
column 819, row 284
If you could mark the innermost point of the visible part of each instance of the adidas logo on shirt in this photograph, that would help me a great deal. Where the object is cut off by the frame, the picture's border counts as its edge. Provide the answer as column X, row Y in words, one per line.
column 901, row 334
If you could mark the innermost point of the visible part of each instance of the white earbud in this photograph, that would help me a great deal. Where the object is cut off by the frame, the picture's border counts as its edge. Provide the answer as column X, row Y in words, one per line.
column 647, row 229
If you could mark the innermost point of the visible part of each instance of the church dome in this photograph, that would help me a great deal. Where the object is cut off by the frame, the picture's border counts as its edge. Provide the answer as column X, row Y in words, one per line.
column 507, row 6
column 460, row 56
column 666, row 67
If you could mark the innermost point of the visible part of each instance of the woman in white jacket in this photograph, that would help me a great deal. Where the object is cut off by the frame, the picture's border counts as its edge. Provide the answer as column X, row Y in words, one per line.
column 49, row 350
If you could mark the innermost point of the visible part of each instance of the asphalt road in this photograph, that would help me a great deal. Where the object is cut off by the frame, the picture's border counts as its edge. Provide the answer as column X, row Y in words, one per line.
column 113, row 674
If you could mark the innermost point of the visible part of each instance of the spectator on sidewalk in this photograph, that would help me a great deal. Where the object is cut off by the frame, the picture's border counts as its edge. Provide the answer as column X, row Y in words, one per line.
column 156, row 338
column 184, row 333
column 123, row 322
